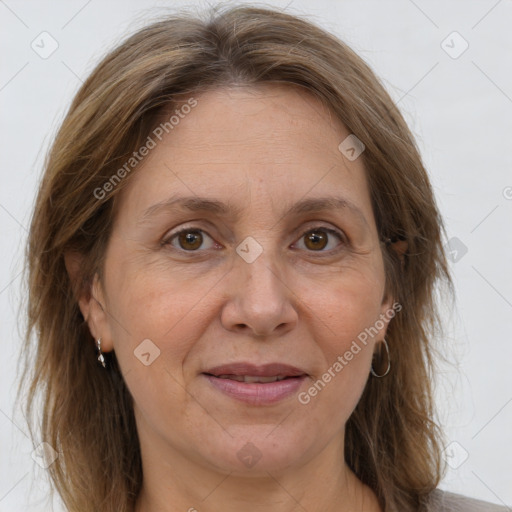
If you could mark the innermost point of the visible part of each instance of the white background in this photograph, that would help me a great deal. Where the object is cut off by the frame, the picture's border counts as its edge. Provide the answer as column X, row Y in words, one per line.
column 460, row 110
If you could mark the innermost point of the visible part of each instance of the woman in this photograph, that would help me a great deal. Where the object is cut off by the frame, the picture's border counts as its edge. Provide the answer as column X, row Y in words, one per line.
column 232, row 265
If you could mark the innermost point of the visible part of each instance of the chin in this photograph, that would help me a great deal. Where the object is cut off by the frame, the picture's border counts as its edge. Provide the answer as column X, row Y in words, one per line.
column 257, row 451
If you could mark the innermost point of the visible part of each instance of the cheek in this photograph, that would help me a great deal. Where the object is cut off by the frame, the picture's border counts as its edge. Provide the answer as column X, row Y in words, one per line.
column 168, row 309
column 153, row 302
column 346, row 349
column 347, row 314
column 348, row 304
column 141, row 292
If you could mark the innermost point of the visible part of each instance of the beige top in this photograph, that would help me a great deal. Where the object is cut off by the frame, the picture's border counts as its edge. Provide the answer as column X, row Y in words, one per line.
column 444, row 501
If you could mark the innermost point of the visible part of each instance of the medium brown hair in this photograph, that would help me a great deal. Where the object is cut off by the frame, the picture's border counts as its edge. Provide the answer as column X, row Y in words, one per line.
column 392, row 441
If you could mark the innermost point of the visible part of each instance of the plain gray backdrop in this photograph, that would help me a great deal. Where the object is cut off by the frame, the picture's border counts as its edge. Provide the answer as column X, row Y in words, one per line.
column 447, row 64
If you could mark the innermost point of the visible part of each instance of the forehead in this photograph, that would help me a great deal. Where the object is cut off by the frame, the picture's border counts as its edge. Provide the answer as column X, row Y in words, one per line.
column 273, row 142
column 248, row 116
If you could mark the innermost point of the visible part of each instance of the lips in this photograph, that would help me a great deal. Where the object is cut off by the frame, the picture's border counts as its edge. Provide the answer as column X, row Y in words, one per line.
column 250, row 373
column 252, row 378
column 265, row 385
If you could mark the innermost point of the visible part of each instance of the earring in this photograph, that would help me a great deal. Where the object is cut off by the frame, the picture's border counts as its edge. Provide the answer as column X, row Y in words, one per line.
column 389, row 362
column 101, row 358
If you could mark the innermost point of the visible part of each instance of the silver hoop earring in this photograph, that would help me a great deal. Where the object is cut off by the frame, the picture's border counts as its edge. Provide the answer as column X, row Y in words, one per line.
column 101, row 358
column 389, row 362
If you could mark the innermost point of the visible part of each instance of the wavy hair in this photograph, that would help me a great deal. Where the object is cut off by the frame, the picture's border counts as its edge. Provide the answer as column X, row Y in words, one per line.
column 393, row 443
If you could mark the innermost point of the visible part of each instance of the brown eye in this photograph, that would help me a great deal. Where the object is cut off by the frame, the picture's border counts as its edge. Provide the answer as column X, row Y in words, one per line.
column 317, row 239
column 189, row 239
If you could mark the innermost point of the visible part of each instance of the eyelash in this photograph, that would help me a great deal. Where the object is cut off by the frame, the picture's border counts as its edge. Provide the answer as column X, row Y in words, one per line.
column 344, row 241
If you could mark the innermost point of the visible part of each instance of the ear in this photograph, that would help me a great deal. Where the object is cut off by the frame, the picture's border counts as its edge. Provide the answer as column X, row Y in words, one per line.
column 91, row 301
column 389, row 309
column 400, row 246
column 389, row 306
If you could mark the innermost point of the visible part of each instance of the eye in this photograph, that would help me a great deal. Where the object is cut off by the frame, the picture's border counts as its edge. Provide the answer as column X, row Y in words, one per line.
column 191, row 239
column 188, row 239
column 317, row 239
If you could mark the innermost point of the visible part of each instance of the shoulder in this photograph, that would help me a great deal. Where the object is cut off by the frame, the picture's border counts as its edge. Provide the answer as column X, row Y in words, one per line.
column 444, row 501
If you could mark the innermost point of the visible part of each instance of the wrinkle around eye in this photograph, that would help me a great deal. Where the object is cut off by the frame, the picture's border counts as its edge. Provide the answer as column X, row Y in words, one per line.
column 344, row 245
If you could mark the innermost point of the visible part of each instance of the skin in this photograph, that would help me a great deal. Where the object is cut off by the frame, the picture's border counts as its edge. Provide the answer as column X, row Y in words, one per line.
column 262, row 148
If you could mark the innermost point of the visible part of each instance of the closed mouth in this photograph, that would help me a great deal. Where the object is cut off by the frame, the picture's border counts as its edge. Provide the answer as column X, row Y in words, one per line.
column 255, row 378
column 256, row 385
column 251, row 373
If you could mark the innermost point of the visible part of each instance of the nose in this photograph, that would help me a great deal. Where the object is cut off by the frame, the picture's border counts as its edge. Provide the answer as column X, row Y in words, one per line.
column 260, row 300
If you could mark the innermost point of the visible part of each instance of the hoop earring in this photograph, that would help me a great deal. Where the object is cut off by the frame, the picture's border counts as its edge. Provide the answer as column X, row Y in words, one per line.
column 101, row 357
column 389, row 362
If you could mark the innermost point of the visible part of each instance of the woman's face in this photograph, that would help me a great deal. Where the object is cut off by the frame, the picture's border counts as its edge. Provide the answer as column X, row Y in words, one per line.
column 263, row 274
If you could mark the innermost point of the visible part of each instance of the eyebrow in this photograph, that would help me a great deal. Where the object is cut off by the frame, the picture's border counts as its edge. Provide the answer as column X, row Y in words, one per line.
column 205, row 204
